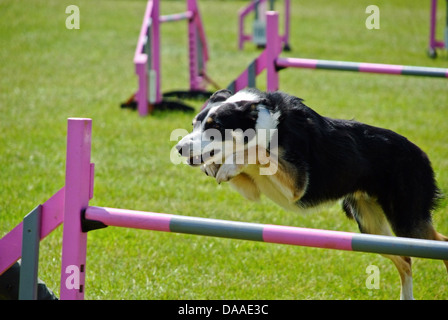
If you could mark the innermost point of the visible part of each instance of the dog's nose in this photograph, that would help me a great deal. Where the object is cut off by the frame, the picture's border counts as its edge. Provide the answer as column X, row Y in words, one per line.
column 183, row 149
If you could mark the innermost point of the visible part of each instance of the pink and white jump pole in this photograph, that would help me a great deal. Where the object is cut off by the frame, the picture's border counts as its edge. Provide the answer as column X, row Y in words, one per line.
column 78, row 191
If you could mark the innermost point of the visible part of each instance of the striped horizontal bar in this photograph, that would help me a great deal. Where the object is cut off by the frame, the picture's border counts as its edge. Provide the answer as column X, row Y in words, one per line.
column 400, row 246
column 362, row 67
column 176, row 16
column 217, row 228
column 269, row 233
column 308, row 237
column 129, row 218
column 425, row 71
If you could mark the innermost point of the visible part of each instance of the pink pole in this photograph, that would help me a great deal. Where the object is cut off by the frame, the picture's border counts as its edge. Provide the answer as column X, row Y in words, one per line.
column 432, row 25
column 242, row 37
column 130, row 218
column 297, row 63
column 141, row 59
column 273, row 49
column 193, row 6
column 192, row 46
column 176, row 17
column 287, row 23
column 155, row 48
column 78, row 190
column 240, row 32
column 141, row 62
column 142, row 93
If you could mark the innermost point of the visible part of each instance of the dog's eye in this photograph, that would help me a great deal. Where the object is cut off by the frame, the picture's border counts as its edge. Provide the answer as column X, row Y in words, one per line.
column 212, row 124
column 210, row 121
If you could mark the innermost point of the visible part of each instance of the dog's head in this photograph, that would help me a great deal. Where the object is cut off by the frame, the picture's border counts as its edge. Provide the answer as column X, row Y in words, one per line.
column 225, row 126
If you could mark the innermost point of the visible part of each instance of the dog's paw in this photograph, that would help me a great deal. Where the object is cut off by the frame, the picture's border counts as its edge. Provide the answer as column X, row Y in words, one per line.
column 210, row 169
column 227, row 172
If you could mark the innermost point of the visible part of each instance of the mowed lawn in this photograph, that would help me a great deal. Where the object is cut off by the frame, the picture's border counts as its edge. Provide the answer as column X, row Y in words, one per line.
column 49, row 73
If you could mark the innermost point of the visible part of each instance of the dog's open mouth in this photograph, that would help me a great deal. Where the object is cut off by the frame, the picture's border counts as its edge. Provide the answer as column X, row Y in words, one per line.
column 195, row 161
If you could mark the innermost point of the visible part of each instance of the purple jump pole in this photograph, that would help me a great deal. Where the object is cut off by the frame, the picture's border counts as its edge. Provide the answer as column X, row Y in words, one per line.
column 78, row 191
column 195, row 35
column 242, row 13
column 361, row 67
column 269, row 59
column 266, row 60
column 274, row 62
column 149, row 38
column 254, row 5
column 273, row 50
column 155, row 84
column 433, row 43
column 176, row 17
column 285, row 37
column 269, row 233
column 141, row 61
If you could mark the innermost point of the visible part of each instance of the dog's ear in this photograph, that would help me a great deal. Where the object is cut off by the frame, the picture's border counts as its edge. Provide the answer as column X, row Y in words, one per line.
column 250, row 108
column 221, row 95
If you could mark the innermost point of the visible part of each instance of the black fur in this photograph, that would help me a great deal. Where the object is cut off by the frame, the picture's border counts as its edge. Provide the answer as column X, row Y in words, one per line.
column 378, row 173
column 342, row 157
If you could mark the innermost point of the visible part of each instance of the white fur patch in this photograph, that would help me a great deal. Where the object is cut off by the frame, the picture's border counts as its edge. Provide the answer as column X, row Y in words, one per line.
column 266, row 126
column 239, row 96
column 406, row 288
column 266, row 120
column 243, row 96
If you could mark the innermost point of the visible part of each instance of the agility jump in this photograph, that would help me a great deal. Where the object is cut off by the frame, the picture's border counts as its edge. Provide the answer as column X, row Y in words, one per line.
column 258, row 35
column 270, row 61
column 71, row 206
column 147, row 60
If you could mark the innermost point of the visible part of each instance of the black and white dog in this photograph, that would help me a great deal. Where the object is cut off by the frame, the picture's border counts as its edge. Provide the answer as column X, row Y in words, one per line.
column 272, row 143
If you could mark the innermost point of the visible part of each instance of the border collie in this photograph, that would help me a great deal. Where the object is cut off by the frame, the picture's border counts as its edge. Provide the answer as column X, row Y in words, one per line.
column 386, row 182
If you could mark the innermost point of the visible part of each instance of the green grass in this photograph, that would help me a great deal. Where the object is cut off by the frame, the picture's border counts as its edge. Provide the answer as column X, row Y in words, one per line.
column 49, row 73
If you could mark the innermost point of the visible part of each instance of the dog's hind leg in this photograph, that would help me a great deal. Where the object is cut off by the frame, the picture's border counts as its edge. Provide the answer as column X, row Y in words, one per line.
column 432, row 234
column 371, row 219
column 441, row 237
column 421, row 228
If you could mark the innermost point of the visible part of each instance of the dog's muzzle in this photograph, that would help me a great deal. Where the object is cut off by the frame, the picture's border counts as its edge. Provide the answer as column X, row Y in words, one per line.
column 194, row 157
column 185, row 150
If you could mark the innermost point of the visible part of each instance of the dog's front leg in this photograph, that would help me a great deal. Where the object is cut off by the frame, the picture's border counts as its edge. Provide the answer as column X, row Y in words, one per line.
column 229, row 169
